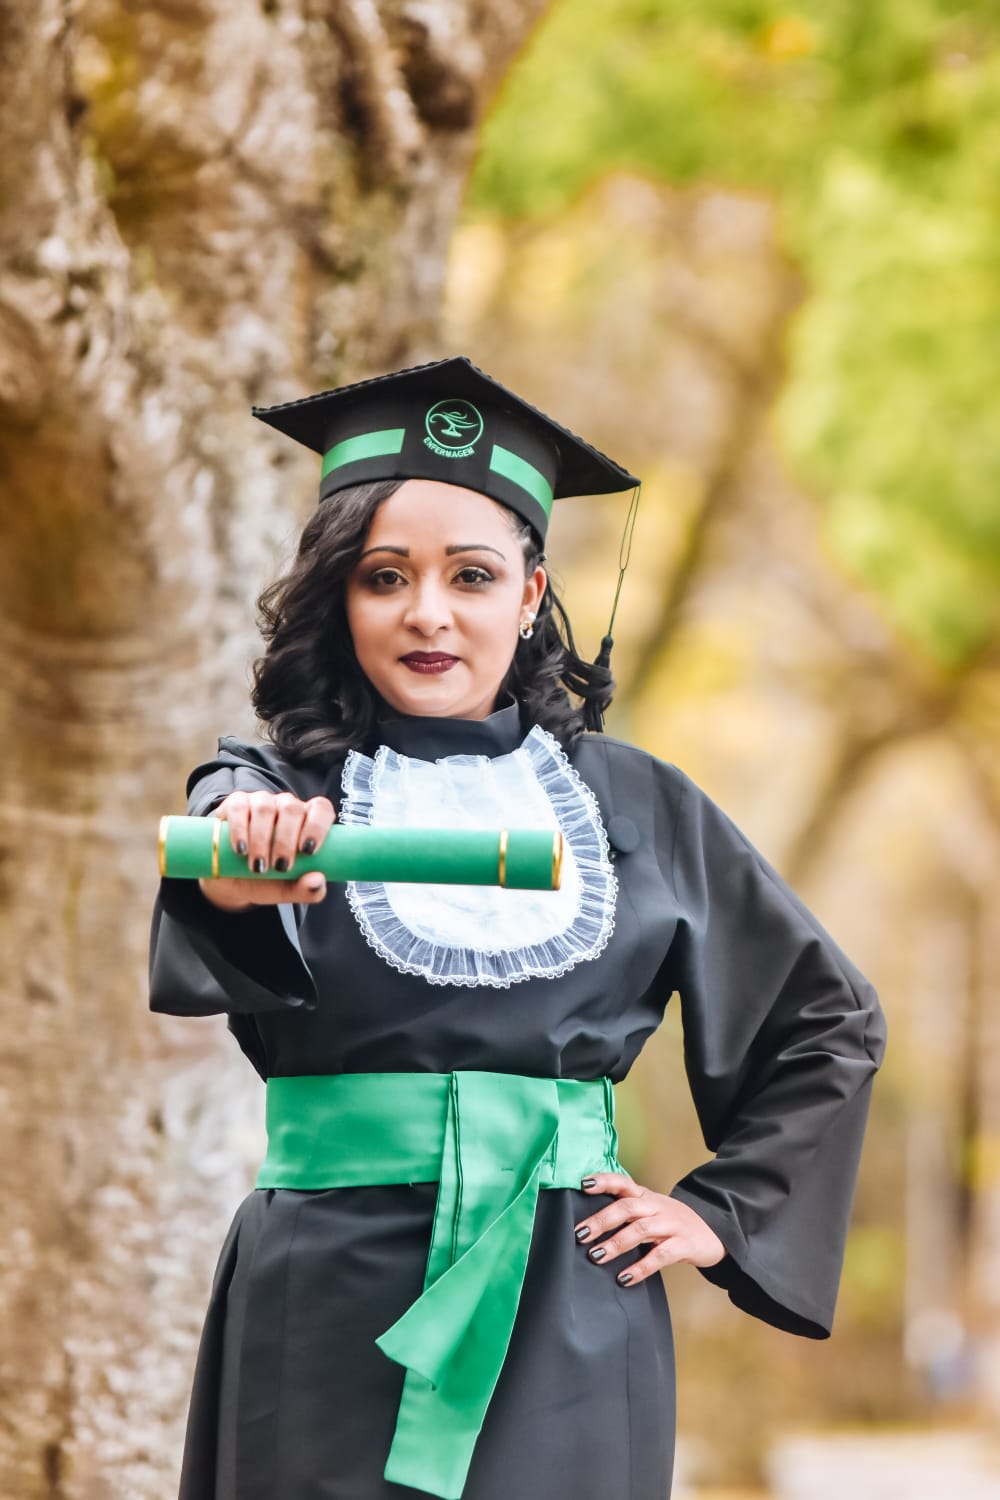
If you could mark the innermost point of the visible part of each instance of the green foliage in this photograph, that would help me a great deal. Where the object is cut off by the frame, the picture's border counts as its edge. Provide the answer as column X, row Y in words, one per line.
column 877, row 131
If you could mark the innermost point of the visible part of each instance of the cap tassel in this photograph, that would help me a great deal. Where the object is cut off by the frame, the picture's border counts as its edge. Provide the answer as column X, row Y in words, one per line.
column 593, row 708
column 593, row 713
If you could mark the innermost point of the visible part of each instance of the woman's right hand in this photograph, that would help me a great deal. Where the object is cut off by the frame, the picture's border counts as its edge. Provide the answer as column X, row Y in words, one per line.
column 269, row 828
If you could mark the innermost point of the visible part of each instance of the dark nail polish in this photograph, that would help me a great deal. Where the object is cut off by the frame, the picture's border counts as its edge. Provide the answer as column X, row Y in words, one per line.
column 583, row 1234
column 241, row 846
column 309, row 847
column 623, row 1278
column 281, row 863
column 588, row 1182
column 260, row 865
column 598, row 1252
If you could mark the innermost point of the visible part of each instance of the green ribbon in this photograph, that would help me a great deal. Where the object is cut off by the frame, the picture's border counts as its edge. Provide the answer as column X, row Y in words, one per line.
column 517, row 469
column 492, row 1141
column 366, row 445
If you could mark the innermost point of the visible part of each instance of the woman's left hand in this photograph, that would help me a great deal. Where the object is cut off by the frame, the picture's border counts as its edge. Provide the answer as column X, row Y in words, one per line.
column 641, row 1217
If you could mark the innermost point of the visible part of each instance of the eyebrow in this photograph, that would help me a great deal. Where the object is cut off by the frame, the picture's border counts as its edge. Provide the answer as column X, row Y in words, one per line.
column 449, row 551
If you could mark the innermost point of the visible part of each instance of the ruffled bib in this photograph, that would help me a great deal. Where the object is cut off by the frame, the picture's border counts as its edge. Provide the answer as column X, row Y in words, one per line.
column 483, row 935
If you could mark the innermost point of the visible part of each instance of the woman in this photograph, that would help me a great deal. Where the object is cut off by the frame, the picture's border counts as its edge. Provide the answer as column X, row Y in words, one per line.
column 484, row 1319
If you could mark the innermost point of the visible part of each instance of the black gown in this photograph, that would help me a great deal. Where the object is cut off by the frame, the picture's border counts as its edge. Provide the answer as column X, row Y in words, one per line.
column 292, row 1398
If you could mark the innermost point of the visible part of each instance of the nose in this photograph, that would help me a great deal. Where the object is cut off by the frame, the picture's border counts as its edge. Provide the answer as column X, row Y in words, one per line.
column 427, row 608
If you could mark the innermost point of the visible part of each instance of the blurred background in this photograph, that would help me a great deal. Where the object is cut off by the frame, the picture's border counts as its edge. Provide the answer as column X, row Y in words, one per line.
column 750, row 250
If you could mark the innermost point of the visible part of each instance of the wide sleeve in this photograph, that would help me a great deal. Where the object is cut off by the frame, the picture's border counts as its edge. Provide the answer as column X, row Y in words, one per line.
column 782, row 1038
column 204, row 961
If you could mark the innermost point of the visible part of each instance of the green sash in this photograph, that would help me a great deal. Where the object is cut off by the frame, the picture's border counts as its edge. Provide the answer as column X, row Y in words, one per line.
column 492, row 1141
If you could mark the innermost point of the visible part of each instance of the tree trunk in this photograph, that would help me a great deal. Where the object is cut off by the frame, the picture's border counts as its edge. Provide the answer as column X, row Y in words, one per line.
column 203, row 204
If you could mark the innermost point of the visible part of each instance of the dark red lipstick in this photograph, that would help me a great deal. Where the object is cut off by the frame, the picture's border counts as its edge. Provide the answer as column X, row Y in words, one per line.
column 429, row 661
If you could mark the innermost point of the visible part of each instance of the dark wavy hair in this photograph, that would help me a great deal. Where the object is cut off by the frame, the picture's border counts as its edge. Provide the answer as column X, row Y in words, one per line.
column 308, row 688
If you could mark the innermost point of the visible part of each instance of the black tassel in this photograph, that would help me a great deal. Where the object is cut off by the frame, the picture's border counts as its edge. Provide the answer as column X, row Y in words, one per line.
column 593, row 708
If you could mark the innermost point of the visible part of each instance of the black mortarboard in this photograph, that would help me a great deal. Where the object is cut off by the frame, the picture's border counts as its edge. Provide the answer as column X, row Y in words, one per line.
column 448, row 421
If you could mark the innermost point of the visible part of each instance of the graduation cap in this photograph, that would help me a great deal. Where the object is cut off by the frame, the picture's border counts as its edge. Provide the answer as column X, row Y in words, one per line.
column 448, row 421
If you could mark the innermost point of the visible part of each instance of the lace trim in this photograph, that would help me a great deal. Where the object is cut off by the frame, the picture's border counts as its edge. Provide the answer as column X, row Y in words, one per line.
column 568, row 927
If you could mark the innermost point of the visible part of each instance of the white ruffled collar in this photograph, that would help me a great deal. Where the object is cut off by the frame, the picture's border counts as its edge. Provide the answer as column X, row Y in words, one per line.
column 476, row 935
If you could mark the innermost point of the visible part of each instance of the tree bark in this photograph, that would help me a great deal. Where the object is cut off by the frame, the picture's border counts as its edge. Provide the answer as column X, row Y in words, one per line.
column 203, row 204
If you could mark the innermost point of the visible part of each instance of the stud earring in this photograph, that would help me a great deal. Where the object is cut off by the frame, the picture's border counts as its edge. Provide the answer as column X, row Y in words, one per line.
column 526, row 629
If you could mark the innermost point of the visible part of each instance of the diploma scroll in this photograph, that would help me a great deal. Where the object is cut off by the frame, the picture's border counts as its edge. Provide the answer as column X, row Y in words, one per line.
column 518, row 858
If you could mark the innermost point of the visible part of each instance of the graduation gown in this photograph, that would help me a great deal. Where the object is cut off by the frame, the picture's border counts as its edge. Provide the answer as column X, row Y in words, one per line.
column 782, row 1037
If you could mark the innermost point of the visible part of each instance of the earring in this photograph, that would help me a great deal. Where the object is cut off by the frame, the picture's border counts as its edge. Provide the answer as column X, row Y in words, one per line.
column 526, row 629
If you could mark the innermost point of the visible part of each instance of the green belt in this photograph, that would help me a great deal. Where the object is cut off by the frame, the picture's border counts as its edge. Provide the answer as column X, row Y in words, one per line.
column 491, row 1140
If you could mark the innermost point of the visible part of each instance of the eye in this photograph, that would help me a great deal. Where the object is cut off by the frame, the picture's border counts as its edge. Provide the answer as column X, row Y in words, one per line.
column 474, row 577
column 384, row 578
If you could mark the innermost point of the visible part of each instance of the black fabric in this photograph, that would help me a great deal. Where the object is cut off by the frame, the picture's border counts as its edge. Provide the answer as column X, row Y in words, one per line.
column 293, row 1401
column 782, row 1038
column 431, row 739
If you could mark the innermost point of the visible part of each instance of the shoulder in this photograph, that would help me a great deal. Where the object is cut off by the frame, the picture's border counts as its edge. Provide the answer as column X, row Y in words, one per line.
column 239, row 752
column 249, row 765
column 671, row 803
column 622, row 759
column 643, row 798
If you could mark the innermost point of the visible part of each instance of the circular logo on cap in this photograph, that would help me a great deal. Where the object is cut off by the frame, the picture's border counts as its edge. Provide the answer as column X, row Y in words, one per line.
column 453, row 428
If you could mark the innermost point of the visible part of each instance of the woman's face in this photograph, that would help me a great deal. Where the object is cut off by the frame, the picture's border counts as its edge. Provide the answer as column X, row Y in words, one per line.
column 436, row 598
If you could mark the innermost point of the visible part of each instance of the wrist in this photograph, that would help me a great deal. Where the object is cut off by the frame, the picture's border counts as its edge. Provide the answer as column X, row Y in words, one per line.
column 221, row 900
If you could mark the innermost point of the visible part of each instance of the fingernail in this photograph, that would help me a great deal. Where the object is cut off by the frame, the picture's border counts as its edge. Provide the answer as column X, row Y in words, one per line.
column 309, row 847
column 598, row 1252
column 241, row 846
column 588, row 1182
column 623, row 1278
column 315, row 885
column 259, row 865
column 583, row 1234
column 281, row 863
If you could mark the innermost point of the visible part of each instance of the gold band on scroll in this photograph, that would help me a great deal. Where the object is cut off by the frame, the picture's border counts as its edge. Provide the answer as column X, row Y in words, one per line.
column 216, row 836
column 502, row 864
column 557, row 859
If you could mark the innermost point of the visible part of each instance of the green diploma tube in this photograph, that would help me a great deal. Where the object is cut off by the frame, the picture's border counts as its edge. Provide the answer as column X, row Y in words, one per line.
column 518, row 858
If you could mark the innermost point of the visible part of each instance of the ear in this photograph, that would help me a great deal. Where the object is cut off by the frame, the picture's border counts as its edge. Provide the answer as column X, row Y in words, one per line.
column 534, row 588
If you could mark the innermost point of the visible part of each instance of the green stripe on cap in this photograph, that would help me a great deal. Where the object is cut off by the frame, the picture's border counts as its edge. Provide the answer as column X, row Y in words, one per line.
column 365, row 445
column 521, row 473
